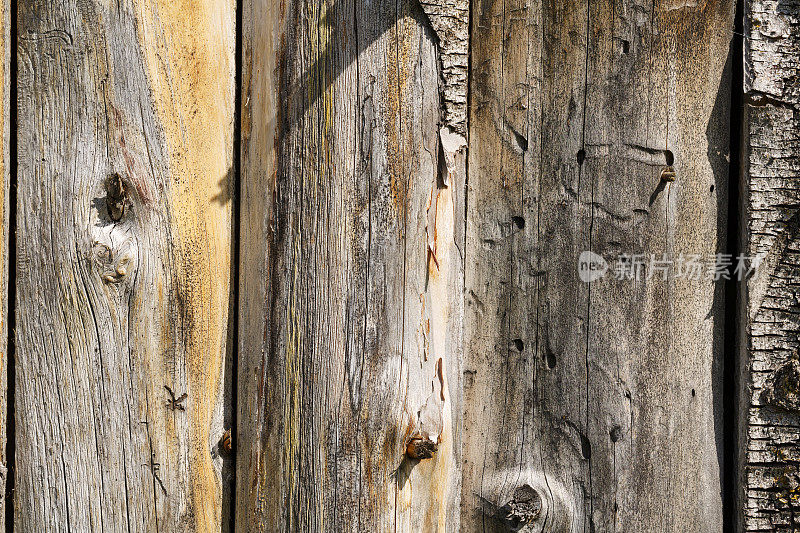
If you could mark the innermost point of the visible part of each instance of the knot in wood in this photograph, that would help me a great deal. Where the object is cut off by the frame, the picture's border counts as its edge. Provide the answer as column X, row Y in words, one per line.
column 420, row 448
column 783, row 387
column 668, row 174
column 524, row 507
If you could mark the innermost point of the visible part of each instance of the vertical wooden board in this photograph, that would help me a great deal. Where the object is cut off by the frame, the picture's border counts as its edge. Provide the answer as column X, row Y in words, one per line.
column 123, row 263
column 5, row 132
column 769, row 410
column 351, row 273
column 582, row 392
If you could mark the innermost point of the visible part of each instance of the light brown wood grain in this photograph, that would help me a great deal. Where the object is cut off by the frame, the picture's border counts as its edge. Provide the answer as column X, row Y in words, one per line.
column 351, row 272
column 110, row 312
column 603, row 398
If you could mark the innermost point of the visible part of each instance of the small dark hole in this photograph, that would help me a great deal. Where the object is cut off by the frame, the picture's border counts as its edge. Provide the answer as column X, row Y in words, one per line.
column 711, row 188
column 670, row 158
column 626, row 46
column 519, row 222
column 550, row 359
column 693, row 393
column 615, row 433
column 519, row 345
column 586, row 447
column 581, row 156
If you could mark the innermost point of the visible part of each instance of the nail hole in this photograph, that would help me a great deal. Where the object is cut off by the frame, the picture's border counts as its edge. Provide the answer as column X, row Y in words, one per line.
column 711, row 189
column 615, row 433
column 693, row 393
column 550, row 359
column 581, row 156
column 519, row 222
column 626, row 46
column 519, row 345
column 669, row 157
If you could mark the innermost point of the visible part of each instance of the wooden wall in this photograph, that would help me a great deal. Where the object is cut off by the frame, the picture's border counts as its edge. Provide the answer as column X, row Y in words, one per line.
column 333, row 229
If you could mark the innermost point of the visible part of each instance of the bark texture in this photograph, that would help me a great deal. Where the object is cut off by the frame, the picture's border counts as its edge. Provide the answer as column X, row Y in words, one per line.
column 594, row 406
column 352, row 242
column 123, row 263
column 770, row 411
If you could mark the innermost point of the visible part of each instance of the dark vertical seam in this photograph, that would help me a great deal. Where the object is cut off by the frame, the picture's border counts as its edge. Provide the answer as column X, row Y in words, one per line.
column 11, row 371
column 735, row 301
column 357, row 157
column 591, row 227
column 539, row 340
column 236, row 257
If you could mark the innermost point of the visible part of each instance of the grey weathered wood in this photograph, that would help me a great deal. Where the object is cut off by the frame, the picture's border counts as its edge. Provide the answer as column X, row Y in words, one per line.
column 5, row 50
column 603, row 398
column 770, row 412
column 351, row 270
column 110, row 312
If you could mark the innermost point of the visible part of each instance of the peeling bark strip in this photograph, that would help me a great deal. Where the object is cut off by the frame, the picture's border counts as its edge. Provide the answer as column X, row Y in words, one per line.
column 351, row 273
column 770, row 411
column 123, row 265
column 599, row 398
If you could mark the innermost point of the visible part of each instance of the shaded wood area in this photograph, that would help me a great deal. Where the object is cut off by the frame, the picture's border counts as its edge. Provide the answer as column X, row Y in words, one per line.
column 603, row 398
column 770, row 409
column 123, row 263
column 352, row 243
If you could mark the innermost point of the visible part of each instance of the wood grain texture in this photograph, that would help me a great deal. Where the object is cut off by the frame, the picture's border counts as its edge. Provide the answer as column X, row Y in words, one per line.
column 111, row 312
column 603, row 398
column 351, row 272
column 5, row 71
column 770, row 411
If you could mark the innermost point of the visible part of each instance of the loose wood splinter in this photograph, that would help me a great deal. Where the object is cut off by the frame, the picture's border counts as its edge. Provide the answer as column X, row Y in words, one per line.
column 668, row 174
column 420, row 448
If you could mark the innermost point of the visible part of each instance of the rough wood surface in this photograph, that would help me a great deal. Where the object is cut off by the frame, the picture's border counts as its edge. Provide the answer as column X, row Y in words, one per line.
column 351, row 272
column 594, row 407
column 123, row 266
column 770, row 411
column 5, row 71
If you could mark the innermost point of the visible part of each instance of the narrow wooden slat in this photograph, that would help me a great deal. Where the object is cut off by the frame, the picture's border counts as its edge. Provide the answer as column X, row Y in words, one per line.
column 351, row 271
column 123, row 266
column 769, row 413
column 5, row 173
column 594, row 395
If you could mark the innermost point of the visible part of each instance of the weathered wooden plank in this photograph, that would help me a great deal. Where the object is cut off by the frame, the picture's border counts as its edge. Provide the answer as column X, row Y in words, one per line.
column 769, row 325
column 5, row 168
column 123, row 266
column 351, row 269
column 599, row 397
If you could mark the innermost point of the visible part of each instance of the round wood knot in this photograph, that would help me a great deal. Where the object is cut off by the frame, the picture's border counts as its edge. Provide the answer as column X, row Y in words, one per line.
column 524, row 507
column 668, row 174
column 420, row 448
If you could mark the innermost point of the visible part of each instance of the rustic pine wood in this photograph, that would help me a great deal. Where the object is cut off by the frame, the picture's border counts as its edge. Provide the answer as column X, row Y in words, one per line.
column 770, row 410
column 603, row 398
column 110, row 312
column 351, row 268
